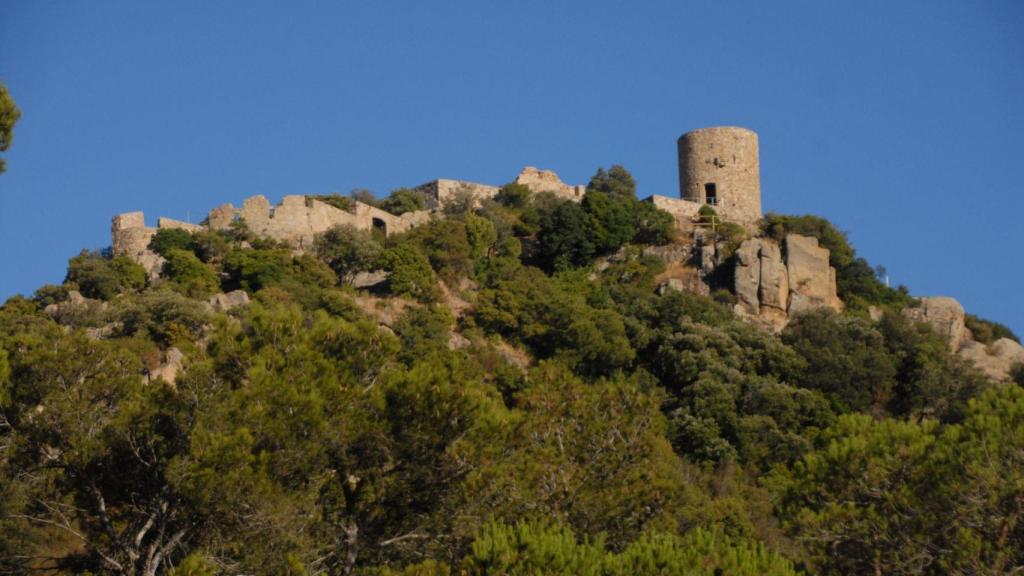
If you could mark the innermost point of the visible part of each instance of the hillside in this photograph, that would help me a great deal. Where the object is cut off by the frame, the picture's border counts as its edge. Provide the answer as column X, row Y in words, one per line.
column 533, row 379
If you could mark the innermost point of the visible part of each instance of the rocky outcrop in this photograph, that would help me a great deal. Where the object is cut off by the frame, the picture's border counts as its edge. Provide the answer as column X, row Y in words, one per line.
column 747, row 277
column 945, row 316
column 169, row 369
column 771, row 286
column 226, row 301
column 995, row 360
column 812, row 282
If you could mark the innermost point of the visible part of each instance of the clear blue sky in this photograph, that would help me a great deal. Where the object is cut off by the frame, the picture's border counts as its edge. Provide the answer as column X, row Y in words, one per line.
column 902, row 122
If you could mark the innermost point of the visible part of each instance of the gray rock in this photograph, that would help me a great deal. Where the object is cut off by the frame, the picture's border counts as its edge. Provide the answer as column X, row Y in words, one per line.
column 172, row 365
column 226, row 301
column 747, row 277
column 946, row 317
column 368, row 279
column 812, row 282
column 774, row 288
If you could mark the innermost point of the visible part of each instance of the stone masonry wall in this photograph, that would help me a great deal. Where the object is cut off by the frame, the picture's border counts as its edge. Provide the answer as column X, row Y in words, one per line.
column 726, row 157
column 547, row 181
column 441, row 191
column 296, row 221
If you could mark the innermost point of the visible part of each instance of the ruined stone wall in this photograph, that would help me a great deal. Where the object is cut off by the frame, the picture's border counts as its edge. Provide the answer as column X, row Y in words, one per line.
column 441, row 191
column 547, row 181
column 295, row 221
column 298, row 219
column 129, row 234
column 727, row 159
column 683, row 211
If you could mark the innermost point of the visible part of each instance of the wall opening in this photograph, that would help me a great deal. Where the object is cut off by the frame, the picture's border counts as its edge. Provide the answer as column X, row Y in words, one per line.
column 380, row 228
column 711, row 194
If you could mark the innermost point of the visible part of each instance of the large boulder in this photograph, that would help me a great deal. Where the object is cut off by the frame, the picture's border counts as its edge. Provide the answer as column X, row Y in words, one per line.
column 946, row 317
column 747, row 277
column 812, row 282
column 995, row 360
column 774, row 289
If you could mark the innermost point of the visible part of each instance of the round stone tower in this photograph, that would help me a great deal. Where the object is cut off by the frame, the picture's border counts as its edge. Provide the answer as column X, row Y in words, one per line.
column 720, row 167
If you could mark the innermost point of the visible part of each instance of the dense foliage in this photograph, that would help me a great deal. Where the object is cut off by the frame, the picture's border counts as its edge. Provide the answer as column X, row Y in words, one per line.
column 499, row 405
column 9, row 115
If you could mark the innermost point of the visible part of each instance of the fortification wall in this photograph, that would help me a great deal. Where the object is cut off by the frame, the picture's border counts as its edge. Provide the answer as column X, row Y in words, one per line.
column 298, row 219
column 547, row 181
column 129, row 234
column 442, row 191
column 720, row 166
column 684, row 211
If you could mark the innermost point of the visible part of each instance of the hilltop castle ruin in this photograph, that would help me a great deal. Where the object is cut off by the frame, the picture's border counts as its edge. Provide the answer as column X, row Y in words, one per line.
column 718, row 167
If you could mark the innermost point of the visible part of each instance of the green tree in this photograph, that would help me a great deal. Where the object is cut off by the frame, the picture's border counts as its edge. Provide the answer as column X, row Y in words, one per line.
column 409, row 272
column 847, row 359
column 616, row 181
column 167, row 239
column 103, row 278
column 892, row 497
column 404, row 200
column 592, row 455
column 513, row 195
column 9, row 115
column 653, row 225
column 565, row 238
column 614, row 218
column 347, row 251
column 185, row 269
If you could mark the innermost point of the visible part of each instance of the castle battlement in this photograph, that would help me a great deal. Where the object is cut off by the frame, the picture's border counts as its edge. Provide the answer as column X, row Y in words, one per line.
column 718, row 167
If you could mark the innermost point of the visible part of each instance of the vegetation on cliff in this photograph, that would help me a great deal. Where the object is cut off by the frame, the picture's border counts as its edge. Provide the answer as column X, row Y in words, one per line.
column 498, row 405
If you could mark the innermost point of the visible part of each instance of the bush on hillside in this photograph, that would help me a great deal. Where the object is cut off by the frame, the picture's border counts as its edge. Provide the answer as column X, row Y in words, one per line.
column 99, row 277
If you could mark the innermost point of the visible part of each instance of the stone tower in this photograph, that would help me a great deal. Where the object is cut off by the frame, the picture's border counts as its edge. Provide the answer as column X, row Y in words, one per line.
column 720, row 167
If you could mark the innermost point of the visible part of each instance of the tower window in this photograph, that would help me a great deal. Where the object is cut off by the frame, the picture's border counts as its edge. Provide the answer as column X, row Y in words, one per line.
column 711, row 194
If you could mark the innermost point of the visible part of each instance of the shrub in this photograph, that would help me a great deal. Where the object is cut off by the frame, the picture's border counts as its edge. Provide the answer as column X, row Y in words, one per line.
column 347, row 251
column 410, row 270
column 653, row 225
column 253, row 269
column 98, row 277
column 513, row 195
column 195, row 278
column 404, row 200
column 51, row 294
column 987, row 331
column 616, row 181
column 167, row 239
column 334, row 199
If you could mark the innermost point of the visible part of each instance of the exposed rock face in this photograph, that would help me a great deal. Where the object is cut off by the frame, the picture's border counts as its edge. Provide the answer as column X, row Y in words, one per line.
column 946, row 317
column 168, row 371
column 995, row 360
column 369, row 279
column 812, row 282
column 774, row 289
column 226, row 301
column 747, row 277
column 770, row 288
